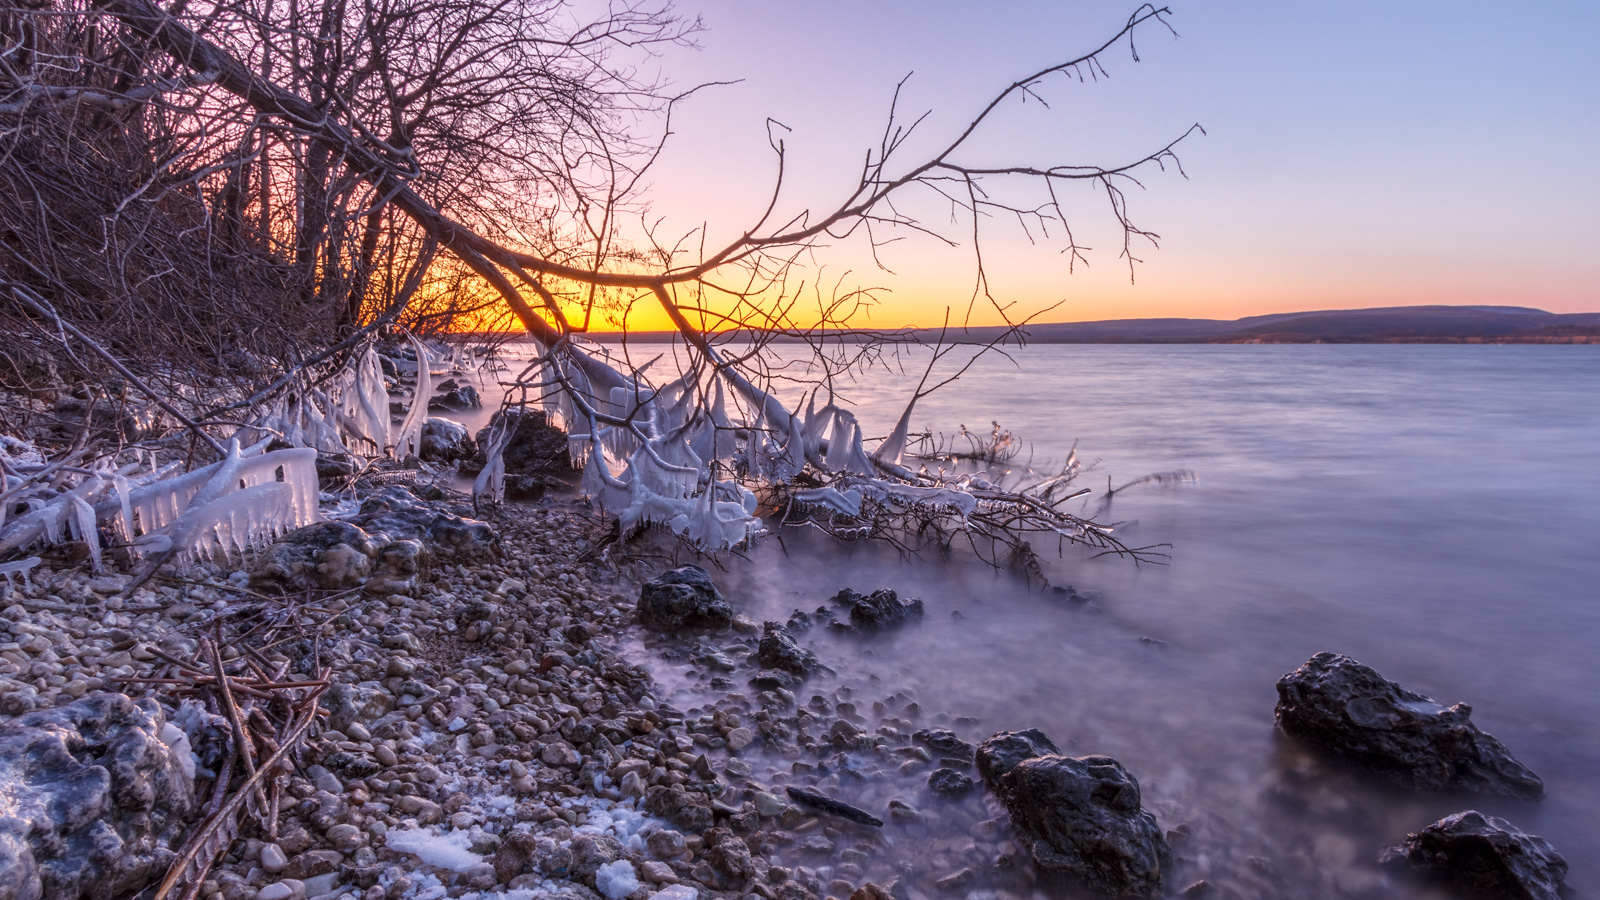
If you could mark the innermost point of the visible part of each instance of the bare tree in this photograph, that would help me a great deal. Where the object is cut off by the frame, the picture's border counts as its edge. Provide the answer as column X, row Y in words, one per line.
column 370, row 155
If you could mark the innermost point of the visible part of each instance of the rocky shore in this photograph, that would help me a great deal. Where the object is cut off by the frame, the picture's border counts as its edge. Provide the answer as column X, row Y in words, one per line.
column 491, row 730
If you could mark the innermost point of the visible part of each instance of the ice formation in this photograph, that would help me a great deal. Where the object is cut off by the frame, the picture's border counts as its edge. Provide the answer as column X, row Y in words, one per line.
column 449, row 850
column 408, row 441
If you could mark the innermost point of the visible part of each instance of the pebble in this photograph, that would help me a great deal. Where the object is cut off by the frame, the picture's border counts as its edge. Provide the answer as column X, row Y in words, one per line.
column 273, row 859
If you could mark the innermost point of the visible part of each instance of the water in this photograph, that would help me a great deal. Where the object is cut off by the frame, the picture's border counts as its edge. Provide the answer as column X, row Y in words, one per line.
column 1432, row 511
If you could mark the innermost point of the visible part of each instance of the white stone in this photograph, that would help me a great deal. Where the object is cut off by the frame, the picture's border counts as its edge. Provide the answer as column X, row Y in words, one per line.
column 273, row 858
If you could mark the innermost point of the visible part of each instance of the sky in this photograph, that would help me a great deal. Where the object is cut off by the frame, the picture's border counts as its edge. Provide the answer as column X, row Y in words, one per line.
column 1356, row 153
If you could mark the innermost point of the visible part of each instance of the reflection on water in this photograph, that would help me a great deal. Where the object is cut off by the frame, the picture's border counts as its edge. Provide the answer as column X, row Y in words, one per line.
column 1432, row 511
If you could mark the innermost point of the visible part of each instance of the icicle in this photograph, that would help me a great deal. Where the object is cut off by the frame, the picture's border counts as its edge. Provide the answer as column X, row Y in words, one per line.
column 83, row 523
column 491, row 482
column 22, row 567
column 892, row 451
column 236, row 522
column 847, row 502
column 409, row 440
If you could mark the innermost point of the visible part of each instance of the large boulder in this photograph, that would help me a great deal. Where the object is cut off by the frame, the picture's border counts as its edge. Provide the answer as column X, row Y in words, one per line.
column 878, row 610
column 1347, row 709
column 536, row 447
column 329, row 555
column 1003, row 752
column 96, row 799
column 1483, row 856
column 685, row 597
column 446, row 440
column 1081, row 818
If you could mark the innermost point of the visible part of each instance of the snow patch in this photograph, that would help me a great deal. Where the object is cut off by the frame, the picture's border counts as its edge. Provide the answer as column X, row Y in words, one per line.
column 444, row 851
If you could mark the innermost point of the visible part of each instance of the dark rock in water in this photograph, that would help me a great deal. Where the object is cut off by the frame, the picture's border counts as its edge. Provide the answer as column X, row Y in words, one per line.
column 944, row 741
column 778, row 650
column 685, row 597
column 1081, row 818
column 949, row 782
column 1003, row 752
column 456, row 397
column 445, row 440
column 1484, row 856
column 690, row 812
column 877, row 610
column 798, row 622
column 1348, row 709
column 535, row 448
column 819, row 803
column 95, row 799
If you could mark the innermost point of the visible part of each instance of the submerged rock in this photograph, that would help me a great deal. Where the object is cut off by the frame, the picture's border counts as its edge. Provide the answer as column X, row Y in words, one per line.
column 95, row 799
column 1484, row 856
column 877, row 610
column 1345, row 708
column 1081, row 817
column 685, row 597
column 778, row 650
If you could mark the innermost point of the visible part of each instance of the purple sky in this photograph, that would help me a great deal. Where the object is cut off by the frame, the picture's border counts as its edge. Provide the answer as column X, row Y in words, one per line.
column 1359, row 153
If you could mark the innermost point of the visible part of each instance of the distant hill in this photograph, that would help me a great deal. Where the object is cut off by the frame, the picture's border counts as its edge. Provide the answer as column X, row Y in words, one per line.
column 1395, row 324
column 1381, row 325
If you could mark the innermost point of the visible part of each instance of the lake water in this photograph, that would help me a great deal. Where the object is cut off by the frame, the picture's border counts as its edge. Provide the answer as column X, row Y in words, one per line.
column 1432, row 511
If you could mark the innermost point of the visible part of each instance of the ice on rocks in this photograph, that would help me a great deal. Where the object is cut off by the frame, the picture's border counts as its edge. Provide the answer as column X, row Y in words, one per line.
column 616, row 880
column 447, row 850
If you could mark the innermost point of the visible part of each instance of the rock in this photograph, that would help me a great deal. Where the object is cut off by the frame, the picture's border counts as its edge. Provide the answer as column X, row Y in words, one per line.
column 349, row 704
column 691, row 812
column 769, row 804
column 1347, row 709
column 1004, row 751
column 728, row 854
column 455, row 397
column 877, row 610
column 957, row 882
column 740, row 738
column 778, row 650
column 516, row 851
column 676, row 892
column 591, row 851
column 949, row 782
column 535, row 447
column 1484, row 856
column 657, row 872
column 667, row 844
column 683, row 598
column 945, row 743
column 95, row 799
column 273, row 859
column 870, row 891
column 774, row 679
column 329, row 555
column 445, row 440
column 1082, row 818
column 276, row 891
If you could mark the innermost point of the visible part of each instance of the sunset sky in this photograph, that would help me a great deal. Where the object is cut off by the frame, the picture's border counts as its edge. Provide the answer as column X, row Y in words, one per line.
column 1358, row 153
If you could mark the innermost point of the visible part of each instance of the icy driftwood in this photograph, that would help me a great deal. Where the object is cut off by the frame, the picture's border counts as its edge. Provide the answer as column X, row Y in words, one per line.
column 243, row 501
column 701, row 454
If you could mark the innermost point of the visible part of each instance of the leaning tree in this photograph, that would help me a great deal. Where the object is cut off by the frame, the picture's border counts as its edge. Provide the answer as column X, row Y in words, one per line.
column 260, row 188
